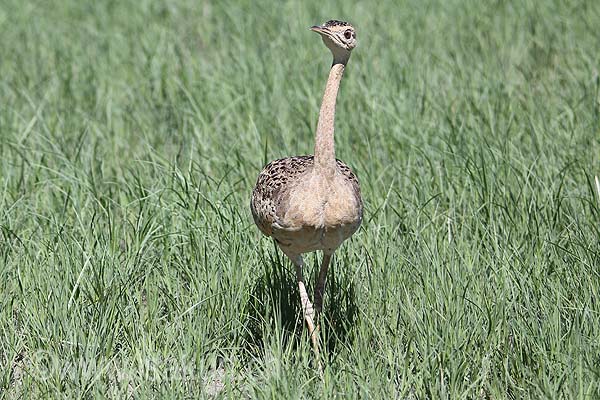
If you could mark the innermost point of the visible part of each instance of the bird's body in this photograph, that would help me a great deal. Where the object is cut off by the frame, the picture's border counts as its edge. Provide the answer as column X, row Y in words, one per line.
column 303, row 210
column 310, row 203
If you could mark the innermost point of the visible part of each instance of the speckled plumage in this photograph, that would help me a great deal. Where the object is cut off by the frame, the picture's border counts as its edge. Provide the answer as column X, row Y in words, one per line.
column 275, row 186
column 335, row 22
column 272, row 184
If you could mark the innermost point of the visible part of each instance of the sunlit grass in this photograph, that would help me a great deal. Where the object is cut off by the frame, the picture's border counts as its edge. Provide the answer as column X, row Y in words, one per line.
column 131, row 135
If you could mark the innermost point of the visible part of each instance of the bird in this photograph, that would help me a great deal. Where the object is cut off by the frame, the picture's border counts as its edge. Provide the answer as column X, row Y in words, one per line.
column 313, row 202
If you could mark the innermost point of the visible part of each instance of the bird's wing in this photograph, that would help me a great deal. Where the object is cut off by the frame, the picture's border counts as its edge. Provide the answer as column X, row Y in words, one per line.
column 272, row 186
column 353, row 181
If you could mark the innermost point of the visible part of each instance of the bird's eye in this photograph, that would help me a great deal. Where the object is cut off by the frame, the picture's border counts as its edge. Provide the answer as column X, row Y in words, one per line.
column 348, row 34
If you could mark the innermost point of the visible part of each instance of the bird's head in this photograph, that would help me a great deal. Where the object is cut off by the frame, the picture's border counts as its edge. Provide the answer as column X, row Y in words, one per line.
column 338, row 36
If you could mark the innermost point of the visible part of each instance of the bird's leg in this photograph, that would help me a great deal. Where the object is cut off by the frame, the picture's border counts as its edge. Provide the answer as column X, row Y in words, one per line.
column 320, row 285
column 307, row 307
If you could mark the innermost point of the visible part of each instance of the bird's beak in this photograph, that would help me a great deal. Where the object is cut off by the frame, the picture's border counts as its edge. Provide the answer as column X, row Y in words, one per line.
column 318, row 29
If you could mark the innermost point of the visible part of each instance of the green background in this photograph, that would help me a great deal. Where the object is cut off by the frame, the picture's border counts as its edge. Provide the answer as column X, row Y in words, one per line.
column 131, row 135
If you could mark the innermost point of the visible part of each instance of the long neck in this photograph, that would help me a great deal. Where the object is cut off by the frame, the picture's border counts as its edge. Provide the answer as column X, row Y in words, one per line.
column 324, row 146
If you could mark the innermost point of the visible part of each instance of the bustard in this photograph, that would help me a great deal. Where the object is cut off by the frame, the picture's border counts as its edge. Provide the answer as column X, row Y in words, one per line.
column 310, row 203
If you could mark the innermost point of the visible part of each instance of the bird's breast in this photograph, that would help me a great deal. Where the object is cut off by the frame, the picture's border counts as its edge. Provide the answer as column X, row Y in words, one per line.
column 319, row 203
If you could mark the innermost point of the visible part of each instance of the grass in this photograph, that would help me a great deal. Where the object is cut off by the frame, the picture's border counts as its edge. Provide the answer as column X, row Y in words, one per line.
column 132, row 133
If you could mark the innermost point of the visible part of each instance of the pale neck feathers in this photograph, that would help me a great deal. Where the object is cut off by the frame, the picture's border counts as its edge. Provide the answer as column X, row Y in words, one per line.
column 324, row 140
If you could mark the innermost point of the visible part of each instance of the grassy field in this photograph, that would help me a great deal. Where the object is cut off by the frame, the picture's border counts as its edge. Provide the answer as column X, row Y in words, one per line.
column 131, row 135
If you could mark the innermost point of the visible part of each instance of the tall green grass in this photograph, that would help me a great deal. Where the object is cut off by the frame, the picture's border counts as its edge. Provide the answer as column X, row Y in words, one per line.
column 131, row 135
